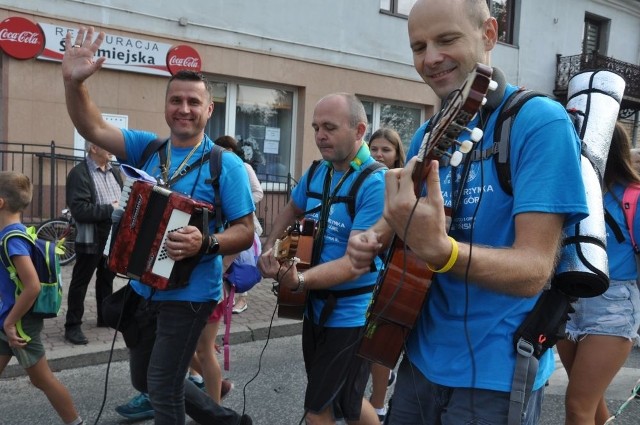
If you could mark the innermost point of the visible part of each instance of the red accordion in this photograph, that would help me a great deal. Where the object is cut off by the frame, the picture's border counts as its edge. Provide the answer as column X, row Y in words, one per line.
column 138, row 250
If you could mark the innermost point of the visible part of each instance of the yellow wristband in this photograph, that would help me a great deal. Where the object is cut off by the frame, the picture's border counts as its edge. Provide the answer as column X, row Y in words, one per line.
column 452, row 259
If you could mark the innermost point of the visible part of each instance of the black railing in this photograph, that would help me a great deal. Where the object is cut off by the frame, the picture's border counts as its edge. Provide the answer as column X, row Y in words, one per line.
column 48, row 166
column 568, row 66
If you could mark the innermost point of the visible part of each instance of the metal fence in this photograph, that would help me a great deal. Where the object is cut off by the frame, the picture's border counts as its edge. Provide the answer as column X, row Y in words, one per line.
column 48, row 166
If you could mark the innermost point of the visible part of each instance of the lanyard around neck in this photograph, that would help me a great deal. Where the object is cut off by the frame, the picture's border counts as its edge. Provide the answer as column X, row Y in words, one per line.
column 183, row 164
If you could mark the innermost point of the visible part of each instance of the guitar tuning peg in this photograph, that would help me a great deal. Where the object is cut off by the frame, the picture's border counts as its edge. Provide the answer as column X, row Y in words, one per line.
column 484, row 101
column 476, row 134
column 493, row 85
column 466, row 146
column 456, row 159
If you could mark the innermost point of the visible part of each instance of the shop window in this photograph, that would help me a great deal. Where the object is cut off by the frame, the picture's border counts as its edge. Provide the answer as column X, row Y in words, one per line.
column 261, row 119
column 404, row 119
column 263, row 127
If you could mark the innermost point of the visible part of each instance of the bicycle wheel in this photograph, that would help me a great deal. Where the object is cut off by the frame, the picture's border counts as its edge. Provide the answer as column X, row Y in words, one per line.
column 57, row 229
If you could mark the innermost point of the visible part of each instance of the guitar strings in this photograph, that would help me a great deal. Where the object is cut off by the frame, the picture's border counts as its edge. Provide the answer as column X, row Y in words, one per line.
column 466, row 278
column 467, row 269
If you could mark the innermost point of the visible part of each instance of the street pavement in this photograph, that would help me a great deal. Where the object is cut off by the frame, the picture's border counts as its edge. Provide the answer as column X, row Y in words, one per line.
column 252, row 324
column 281, row 374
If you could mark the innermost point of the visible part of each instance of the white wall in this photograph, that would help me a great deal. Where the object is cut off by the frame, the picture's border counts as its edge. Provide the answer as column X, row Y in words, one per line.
column 550, row 27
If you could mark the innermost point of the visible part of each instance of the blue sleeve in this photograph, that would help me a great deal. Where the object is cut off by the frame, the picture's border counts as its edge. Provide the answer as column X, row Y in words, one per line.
column 235, row 190
column 299, row 192
column 18, row 246
column 135, row 142
column 545, row 161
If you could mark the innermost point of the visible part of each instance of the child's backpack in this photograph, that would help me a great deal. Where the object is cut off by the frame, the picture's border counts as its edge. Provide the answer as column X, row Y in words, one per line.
column 46, row 261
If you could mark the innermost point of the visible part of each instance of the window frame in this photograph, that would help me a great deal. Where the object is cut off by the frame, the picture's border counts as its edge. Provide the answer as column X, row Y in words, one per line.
column 393, row 9
column 511, row 8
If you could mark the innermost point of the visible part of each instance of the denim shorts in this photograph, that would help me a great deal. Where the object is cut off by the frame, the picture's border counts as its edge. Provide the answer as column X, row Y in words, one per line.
column 615, row 313
column 34, row 350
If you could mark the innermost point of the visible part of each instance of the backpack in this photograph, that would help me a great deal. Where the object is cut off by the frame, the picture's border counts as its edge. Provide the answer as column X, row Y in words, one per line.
column 46, row 260
column 215, row 165
column 500, row 148
column 545, row 324
column 350, row 198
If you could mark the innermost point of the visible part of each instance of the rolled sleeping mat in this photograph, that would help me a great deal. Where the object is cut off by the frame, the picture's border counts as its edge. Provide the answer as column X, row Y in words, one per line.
column 594, row 97
column 594, row 101
column 583, row 269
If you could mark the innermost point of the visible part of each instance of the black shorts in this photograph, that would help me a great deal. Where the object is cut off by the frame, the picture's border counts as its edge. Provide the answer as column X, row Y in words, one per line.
column 336, row 376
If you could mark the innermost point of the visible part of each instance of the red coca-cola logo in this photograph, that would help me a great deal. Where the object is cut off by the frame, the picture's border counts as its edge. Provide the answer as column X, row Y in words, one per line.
column 20, row 38
column 183, row 57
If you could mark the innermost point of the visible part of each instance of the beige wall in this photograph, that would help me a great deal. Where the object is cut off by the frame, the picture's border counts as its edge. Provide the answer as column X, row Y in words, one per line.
column 35, row 112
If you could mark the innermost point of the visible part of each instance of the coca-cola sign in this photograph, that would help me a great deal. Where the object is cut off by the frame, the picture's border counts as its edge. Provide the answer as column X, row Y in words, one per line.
column 20, row 38
column 183, row 57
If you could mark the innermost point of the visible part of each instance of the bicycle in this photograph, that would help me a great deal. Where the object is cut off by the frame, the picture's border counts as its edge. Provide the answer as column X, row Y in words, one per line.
column 56, row 229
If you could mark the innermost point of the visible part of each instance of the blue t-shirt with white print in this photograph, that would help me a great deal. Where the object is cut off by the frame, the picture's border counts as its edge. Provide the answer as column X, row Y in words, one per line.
column 205, row 283
column 349, row 311
column 546, row 178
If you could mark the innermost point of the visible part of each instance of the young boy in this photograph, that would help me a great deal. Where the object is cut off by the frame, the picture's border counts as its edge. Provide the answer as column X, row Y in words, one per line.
column 15, row 196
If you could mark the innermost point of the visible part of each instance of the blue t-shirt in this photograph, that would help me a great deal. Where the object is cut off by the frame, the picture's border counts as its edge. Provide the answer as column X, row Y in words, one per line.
column 349, row 311
column 16, row 246
column 205, row 283
column 622, row 261
column 546, row 177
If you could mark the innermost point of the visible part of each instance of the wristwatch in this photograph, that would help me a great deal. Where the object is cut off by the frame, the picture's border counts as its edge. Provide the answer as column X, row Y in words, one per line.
column 214, row 245
column 300, row 287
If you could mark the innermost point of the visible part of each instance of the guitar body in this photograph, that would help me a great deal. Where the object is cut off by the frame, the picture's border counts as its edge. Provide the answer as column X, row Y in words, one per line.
column 402, row 287
column 397, row 301
column 297, row 242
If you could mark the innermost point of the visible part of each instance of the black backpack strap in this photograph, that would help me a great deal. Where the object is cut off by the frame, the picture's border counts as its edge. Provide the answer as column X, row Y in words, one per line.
column 312, row 171
column 215, row 166
column 156, row 145
column 350, row 198
column 502, row 134
column 501, row 148
column 613, row 225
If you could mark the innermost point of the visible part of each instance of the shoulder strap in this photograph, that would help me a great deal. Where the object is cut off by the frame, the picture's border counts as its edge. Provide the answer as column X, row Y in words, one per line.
column 215, row 166
column 156, row 145
column 6, row 259
column 613, row 225
column 350, row 199
column 312, row 170
column 502, row 134
column 629, row 206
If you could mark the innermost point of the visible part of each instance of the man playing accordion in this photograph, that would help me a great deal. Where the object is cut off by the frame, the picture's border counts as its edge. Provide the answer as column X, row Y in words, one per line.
column 171, row 321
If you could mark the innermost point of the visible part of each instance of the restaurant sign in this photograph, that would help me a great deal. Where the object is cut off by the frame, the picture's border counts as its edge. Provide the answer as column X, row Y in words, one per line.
column 124, row 53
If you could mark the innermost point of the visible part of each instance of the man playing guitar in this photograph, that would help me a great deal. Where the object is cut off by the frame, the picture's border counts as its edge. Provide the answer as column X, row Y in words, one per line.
column 493, row 256
column 338, row 298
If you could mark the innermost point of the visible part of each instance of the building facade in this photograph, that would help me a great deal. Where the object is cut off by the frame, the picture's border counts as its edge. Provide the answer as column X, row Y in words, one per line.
column 271, row 61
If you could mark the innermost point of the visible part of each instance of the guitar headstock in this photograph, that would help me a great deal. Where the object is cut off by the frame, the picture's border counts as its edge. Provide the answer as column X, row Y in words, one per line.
column 458, row 111
column 286, row 246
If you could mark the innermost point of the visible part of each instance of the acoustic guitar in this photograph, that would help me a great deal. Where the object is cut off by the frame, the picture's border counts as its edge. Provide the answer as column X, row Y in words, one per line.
column 295, row 244
column 403, row 285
